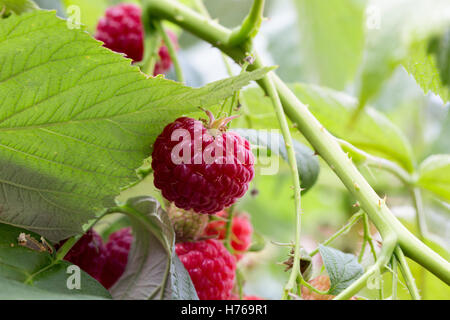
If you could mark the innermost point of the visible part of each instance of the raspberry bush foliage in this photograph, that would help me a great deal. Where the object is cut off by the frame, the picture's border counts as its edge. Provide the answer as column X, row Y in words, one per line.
column 138, row 163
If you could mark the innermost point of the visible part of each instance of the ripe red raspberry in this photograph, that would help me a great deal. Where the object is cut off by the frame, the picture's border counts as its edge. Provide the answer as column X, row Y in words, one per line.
column 321, row 283
column 88, row 253
column 165, row 62
column 211, row 267
column 117, row 249
column 204, row 169
column 121, row 30
column 241, row 232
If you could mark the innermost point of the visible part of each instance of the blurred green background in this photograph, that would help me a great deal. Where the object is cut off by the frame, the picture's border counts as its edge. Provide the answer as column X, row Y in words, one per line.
column 318, row 42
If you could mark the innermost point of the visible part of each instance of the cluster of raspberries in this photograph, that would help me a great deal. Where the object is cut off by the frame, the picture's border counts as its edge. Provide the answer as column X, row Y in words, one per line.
column 196, row 189
column 210, row 265
column 121, row 31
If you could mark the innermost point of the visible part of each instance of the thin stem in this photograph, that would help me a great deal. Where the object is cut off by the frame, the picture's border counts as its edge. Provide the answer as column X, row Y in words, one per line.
column 420, row 214
column 394, row 278
column 250, row 26
column 237, row 94
column 227, row 64
column 240, row 280
column 352, row 221
column 65, row 248
column 228, row 229
column 273, row 94
column 311, row 287
column 234, row 100
column 368, row 236
column 421, row 225
column 376, row 162
column 363, row 249
column 172, row 51
column 151, row 53
column 299, row 285
column 407, row 275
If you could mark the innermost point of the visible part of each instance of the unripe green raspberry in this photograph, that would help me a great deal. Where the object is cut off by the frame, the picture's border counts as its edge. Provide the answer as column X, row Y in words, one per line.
column 188, row 224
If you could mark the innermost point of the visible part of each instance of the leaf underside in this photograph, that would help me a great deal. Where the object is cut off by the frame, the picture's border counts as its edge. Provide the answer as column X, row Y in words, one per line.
column 153, row 270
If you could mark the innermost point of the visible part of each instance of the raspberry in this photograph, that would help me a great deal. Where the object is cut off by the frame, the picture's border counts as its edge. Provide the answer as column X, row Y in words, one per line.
column 88, row 253
column 117, row 249
column 321, row 283
column 164, row 63
column 188, row 225
column 241, row 230
column 211, row 267
column 201, row 173
column 121, row 31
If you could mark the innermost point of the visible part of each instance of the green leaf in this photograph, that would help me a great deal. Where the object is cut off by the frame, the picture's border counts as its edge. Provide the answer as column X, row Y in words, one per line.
column 76, row 120
column 307, row 162
column 373, row 132
column 153, row 270
column 342, row 268
column 17, row 6
column 423, row 67
column 28, row 274
column 401, row 24
column 257, row 109
column 434, row 175
column 90, row 11
column 332, row 38
column 440, row 47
